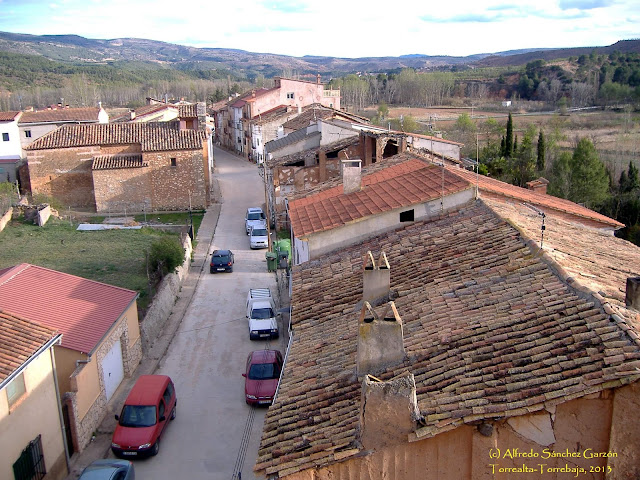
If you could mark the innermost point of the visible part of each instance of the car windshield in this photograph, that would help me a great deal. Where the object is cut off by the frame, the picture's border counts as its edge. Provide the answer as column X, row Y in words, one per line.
column 264, row 371
column 254, row 216
column 138, row 416
column 259, row 232
column 262, row 313
column 221, row 258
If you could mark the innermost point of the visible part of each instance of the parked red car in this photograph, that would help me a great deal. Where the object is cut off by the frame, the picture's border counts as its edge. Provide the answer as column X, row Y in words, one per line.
column 146, row 412
column 261, row 376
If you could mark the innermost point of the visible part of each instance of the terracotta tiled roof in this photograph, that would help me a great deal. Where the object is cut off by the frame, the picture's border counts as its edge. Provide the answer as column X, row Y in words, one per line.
column 82, row 310
column 188, row 111
column 490, row 331
column 401, row 185
column 20, row 339
column 110, row 162
column 88, row 114
column 314, row 112
column 8, row 116
column 540, row 200
column 596, row 259
column 153, row 136
column 238, row 104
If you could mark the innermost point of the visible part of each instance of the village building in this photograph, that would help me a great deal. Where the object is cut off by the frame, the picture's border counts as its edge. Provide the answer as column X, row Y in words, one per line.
column 122, row 167
column 11, row 156
column 34, row 124
column 100, row 342
column 419, row 351
column 235, row 123
column 32, row 434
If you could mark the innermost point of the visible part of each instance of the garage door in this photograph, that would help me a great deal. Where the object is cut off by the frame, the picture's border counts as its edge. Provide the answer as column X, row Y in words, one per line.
column 112, row 369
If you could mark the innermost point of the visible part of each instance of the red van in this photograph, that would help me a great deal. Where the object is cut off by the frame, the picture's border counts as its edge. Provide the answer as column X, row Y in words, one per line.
column 145, row 414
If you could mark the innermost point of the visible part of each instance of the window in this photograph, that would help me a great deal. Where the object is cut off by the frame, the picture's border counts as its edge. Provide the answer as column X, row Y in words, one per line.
column 406, row 216
column 290, row 96
column 16, row 389
column 5, row 137
column 174, row 162
column 27, row 133
column 30, row 464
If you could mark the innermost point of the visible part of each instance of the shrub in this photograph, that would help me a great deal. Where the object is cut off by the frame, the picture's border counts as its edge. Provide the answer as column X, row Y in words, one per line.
column 166, row 255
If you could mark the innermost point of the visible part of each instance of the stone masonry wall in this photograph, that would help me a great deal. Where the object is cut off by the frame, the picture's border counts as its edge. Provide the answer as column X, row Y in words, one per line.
column 64, row 174
column 163, row 300
column 174, row 188
column 123, row 189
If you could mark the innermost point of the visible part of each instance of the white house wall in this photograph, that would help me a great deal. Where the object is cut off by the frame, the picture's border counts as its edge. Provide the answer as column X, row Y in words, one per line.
column 439, row 148
column 354, row 232
column 11, row 148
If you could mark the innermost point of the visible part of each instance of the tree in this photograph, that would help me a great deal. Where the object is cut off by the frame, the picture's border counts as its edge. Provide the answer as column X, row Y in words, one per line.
column 508, row 141
column 560, row 182
column 589, row 178
column 540, row 162
column 166, row 255
column 523, row 162
column 383, row 110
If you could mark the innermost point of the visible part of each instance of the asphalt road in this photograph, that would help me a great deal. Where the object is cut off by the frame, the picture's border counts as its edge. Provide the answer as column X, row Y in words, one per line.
column 216, row 434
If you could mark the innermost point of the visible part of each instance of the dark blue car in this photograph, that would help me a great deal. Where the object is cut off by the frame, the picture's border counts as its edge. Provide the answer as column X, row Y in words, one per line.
column 221, row 261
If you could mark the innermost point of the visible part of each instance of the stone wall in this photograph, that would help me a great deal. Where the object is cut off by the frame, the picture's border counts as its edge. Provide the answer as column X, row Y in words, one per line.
column 164, row 299
column 64, row 174
column 177, row 187
column 123, row 189
column 6, row 218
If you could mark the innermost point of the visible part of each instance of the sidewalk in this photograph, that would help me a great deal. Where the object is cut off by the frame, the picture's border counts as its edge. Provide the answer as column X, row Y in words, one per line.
column 100, row 446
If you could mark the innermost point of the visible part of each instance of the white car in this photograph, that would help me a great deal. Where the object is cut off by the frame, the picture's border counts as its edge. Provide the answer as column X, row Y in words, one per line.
column 258, row 236
column 254, row 216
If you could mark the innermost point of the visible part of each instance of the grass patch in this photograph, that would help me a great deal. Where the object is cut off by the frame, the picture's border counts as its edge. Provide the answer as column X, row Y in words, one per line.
column 115, row 257
column 173, row 218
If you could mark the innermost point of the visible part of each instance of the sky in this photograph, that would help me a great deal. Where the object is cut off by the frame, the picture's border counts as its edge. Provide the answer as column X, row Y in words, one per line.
column 347, row 28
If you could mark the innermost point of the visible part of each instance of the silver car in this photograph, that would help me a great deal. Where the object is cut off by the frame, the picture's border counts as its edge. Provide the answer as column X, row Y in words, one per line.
column 109, row 469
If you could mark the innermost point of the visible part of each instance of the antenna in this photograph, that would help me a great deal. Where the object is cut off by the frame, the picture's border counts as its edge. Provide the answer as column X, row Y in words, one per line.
column 542, row 227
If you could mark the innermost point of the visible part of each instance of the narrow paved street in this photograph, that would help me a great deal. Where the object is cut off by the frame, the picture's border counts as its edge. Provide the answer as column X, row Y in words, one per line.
column 216, row 434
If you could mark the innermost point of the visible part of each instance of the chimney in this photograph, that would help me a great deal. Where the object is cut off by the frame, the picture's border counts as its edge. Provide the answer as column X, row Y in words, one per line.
column 132, row 114
column 539, row 185
column 351, row 175
column 380, row 341
column 388, row 411
column 376, row 278
column 318, row 79
column 201, row 112
column 632, row 299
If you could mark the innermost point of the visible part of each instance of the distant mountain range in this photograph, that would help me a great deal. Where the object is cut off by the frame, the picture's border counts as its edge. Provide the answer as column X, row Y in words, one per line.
column 79, row 50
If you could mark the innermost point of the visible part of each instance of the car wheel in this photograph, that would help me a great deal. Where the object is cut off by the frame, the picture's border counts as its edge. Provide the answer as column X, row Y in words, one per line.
column 211, row 270
column 173, row 414
column 156, row 448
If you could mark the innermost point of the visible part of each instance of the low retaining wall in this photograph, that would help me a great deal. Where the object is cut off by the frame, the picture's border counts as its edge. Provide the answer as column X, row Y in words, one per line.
column 6, row 218
column 153, row 323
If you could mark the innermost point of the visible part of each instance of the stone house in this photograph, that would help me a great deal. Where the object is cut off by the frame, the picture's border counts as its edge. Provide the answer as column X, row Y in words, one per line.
column 458, row 347
column 124, row 166
column 100, row 337
column 10, row 148
column 32, row 434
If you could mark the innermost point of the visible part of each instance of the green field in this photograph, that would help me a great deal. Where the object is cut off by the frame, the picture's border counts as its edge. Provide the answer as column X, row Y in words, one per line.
column 115, row 257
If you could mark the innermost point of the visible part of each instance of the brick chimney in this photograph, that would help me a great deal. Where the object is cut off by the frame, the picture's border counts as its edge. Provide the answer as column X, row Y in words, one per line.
column 388, row 411
column 376, row 278
column 201, row 112
column 632, row 298
column 539, row 185
column 351, row 175
column 380, row 340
